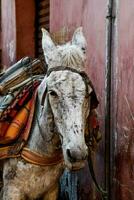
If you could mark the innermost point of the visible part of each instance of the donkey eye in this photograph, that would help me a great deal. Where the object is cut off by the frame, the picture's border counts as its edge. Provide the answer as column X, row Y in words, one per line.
column 53, row 93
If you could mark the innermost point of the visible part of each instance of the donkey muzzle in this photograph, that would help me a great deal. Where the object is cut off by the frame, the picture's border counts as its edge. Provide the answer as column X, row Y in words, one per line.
column 77, row 154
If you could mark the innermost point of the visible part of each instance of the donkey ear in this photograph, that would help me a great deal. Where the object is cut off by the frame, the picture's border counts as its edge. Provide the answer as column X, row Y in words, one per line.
column 79, row 39
column 47, row 43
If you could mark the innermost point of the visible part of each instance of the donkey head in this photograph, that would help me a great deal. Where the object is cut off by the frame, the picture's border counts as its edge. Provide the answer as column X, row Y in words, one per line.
column 67, row 94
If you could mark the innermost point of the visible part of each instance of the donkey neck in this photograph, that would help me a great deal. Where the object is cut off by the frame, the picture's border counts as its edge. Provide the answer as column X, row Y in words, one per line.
column 44, row 137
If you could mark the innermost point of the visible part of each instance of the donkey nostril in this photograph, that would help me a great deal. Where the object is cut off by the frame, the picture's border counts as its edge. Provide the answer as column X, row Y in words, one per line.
column 70, row 156
column 74, row 156
column 69, row 153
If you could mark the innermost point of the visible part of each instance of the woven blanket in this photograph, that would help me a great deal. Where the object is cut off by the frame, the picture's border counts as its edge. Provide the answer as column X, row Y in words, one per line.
column 14, row 120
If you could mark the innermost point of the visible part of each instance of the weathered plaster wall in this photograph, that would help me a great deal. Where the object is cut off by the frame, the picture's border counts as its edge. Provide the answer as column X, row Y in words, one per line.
column 25, row 28
column 124, row 134
column 65, row 16
column 8, row 25
column 18, row 30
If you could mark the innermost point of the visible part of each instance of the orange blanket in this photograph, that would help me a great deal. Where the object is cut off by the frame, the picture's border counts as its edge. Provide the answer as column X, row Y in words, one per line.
column 20, row 124
column 17, row 125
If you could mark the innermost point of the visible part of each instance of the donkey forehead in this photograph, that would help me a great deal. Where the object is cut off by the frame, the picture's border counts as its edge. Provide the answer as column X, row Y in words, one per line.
column 69, row 79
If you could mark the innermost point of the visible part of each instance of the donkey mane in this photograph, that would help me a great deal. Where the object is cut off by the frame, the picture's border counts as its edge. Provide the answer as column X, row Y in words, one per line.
column 72, row 56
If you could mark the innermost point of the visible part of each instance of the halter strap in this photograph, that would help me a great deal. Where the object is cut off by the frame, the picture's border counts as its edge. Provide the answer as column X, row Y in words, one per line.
column 81, row 73
column 87, row 81
column 42, row 160
column 32, row 156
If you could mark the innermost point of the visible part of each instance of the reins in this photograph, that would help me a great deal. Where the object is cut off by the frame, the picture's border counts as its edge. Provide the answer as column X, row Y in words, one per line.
column 81, row 73
column 104, row 193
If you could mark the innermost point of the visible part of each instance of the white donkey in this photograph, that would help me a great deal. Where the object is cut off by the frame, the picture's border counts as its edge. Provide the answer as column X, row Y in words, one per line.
column 63, row 105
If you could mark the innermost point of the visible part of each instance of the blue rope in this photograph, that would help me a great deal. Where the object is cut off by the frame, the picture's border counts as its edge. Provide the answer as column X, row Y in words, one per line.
column 69, row 184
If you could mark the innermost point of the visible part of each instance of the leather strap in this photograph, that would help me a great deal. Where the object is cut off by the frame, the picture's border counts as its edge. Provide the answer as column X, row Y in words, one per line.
column 104, row 193
column 32, row 157
column 38, row 159
column 87, row 81
column 4, row 153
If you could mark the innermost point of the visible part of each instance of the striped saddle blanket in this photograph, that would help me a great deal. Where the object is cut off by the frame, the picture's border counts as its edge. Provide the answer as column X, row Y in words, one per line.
column 16, row 119
column 18, row 91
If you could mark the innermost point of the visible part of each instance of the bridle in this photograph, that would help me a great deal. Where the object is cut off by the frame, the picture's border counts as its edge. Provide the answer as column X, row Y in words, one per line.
column 87, row 81
column 93, row 98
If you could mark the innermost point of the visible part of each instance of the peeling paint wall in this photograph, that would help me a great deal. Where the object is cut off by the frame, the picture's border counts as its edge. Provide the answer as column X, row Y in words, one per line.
column 18, row 30
column 124, row 152
column 8, row 25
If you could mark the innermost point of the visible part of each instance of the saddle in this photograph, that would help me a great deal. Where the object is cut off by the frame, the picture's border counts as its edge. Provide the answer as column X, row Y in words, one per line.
column 18, row 87
column 21, row 73
column 15, row 118
column 18, row 91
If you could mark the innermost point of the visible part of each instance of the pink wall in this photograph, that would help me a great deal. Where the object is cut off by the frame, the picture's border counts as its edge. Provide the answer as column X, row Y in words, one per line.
column 71, row 14
column 8, row 32
column 91, row 15
column 18, row 30
column 124, row 154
